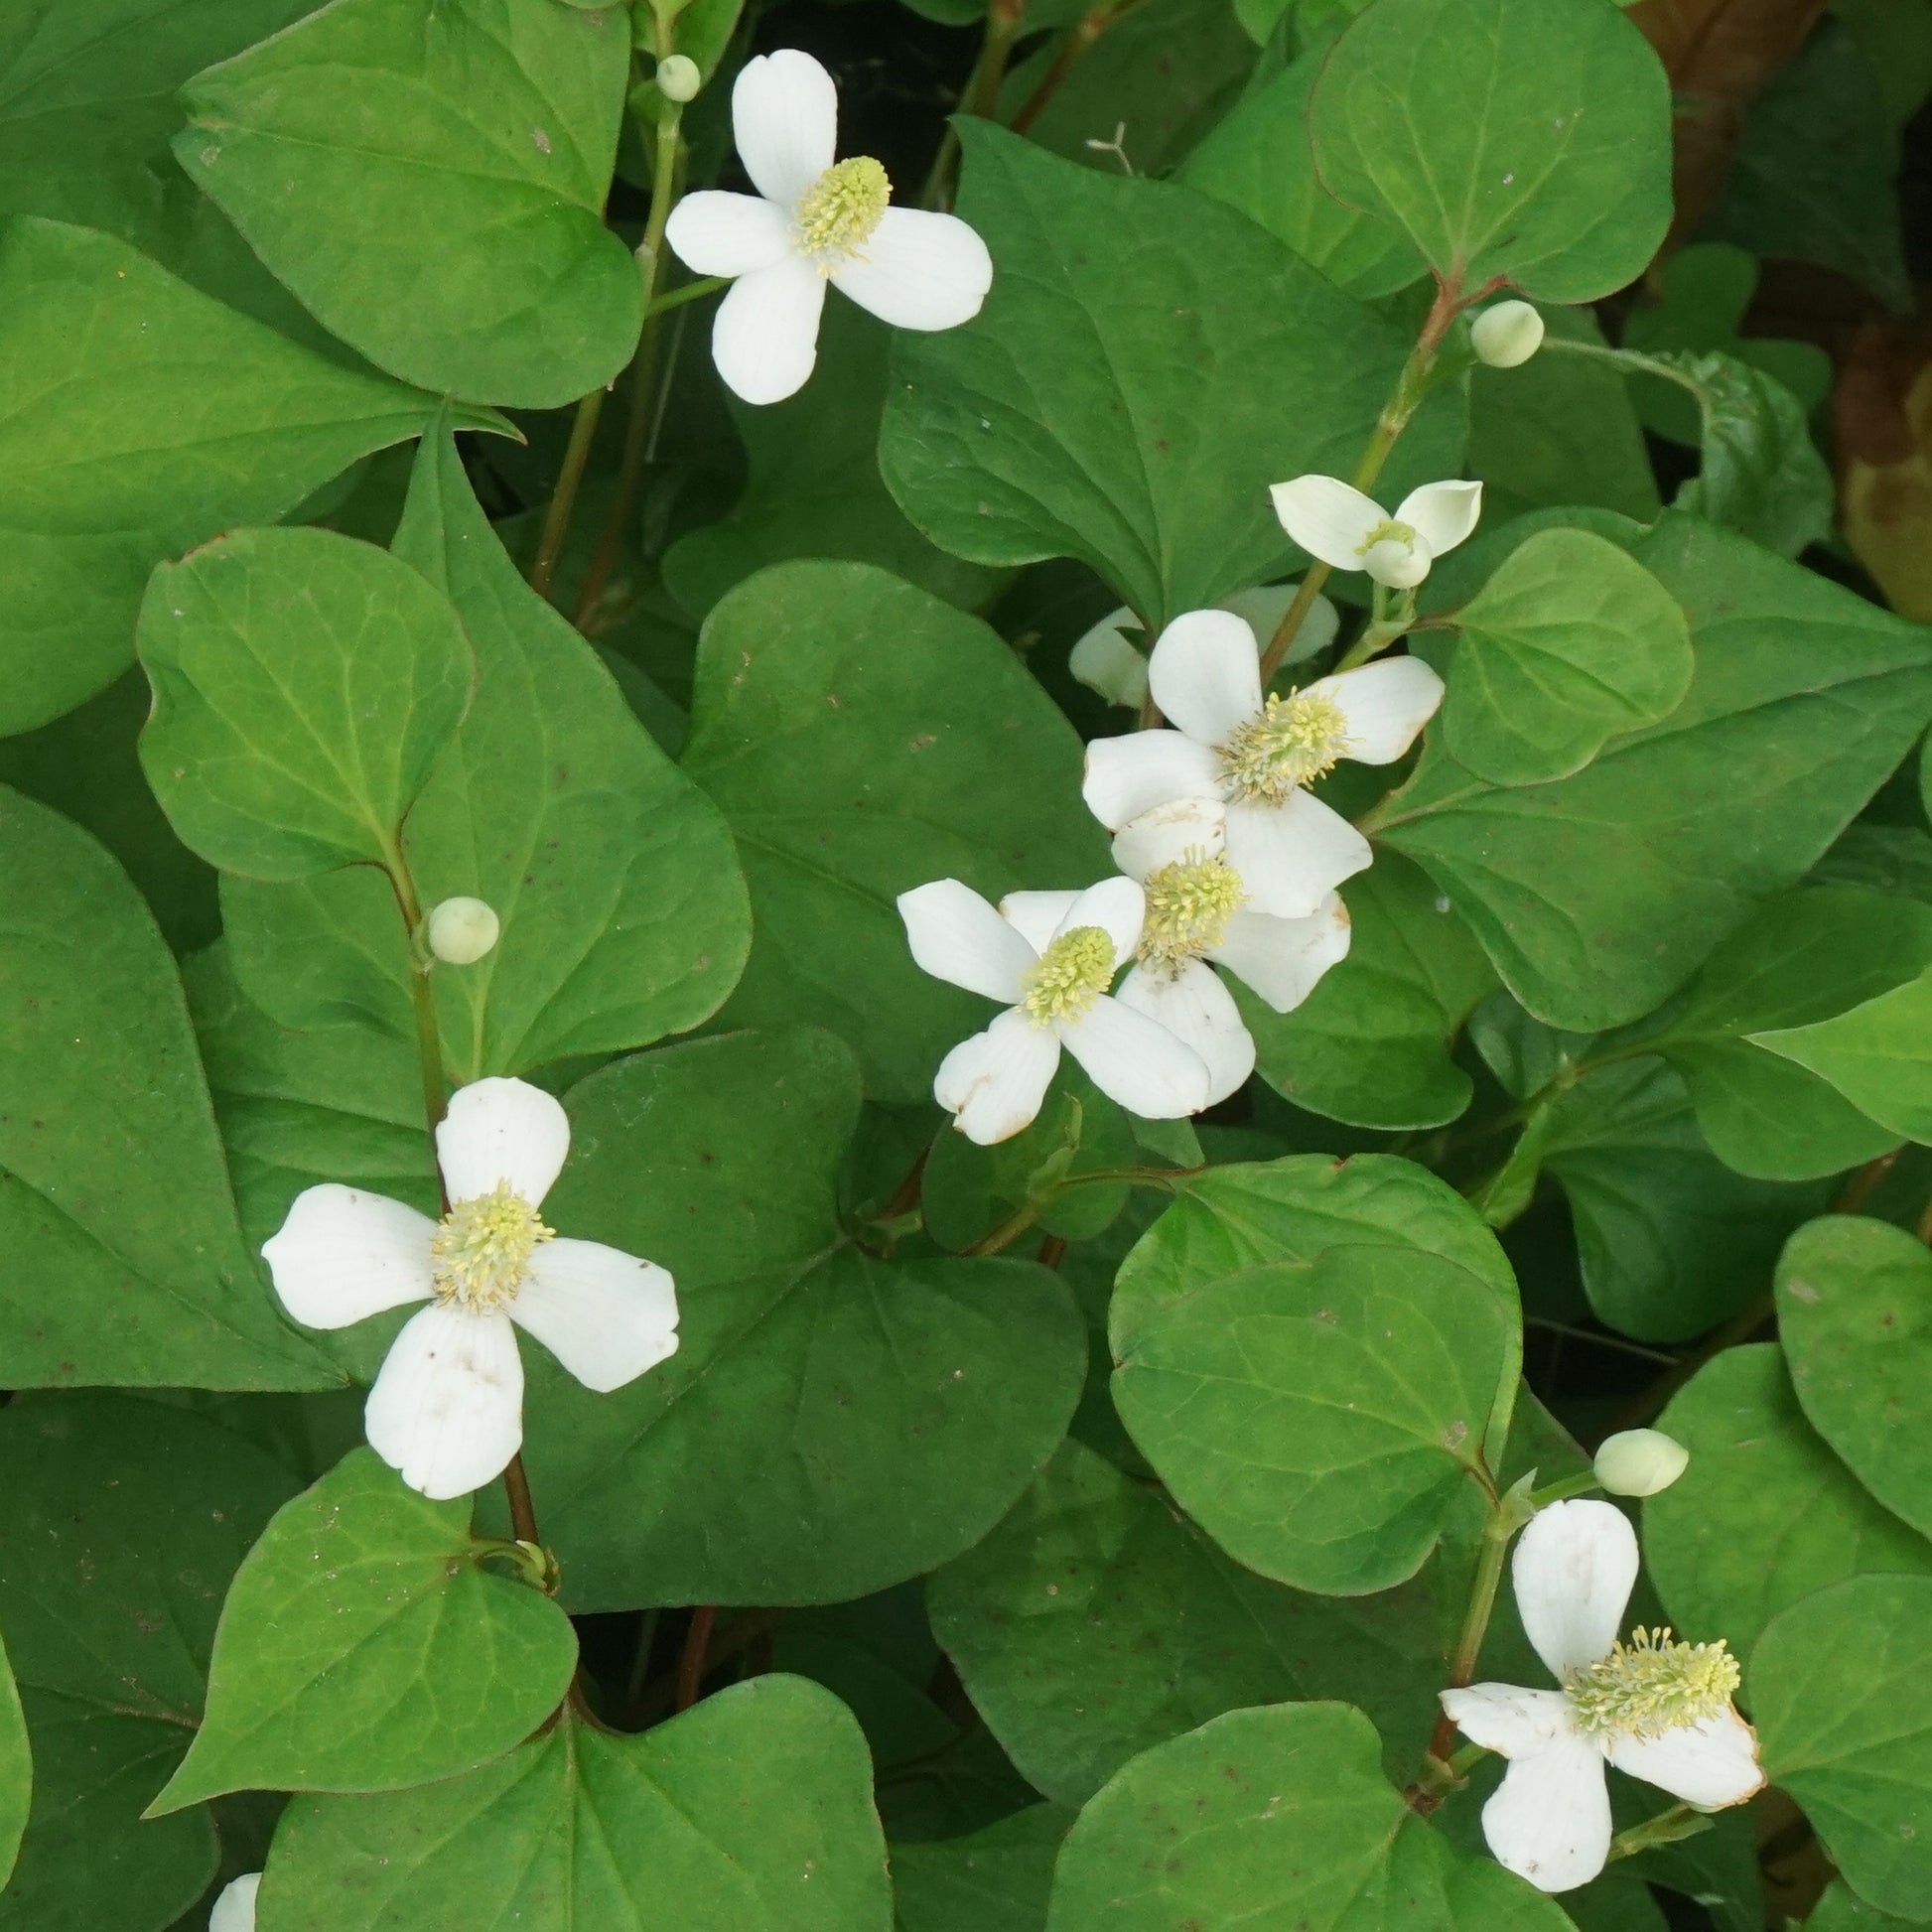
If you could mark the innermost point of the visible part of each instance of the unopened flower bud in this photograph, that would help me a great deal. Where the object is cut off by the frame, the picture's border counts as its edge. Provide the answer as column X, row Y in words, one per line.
column 1506, row 334
column 1639, row 1462
column 679, row 79
column 461, row 930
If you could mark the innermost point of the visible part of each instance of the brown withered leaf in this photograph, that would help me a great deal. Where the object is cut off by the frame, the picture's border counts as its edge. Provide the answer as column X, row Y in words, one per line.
column 1882, row 411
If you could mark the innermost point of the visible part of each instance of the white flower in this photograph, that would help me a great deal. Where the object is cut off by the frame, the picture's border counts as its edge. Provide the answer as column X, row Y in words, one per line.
column 234, row 1910
column 1639, row 1461
column 1231, row 781
column 813, row 219
column 1196, row 911
column 1658, row 1709
column 447, row 1409
column 1334, row 521
column 1508, row 335
column 1106, row 661
column 1052, row 976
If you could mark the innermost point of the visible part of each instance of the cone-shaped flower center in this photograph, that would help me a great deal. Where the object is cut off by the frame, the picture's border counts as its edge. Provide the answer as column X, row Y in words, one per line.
column 1652, row 1685
column 1072, row 974
column 839, row 211
column 1189, row 906
column 481, row 1255
column 1291, row 742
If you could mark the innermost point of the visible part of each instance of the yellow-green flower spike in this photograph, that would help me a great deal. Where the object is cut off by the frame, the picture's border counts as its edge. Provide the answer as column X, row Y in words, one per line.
column 1189, row 906
column 1387, row 531
column 839, row 211
column 481, row 1255
column 1072, row 974
column 1651, row 1686
column 1291, row 743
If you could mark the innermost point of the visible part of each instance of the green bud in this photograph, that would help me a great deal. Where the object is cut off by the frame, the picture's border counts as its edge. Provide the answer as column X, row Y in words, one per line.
column 1639, row 1462
column 679, row 78
column 1506, row 334
column 461, row 930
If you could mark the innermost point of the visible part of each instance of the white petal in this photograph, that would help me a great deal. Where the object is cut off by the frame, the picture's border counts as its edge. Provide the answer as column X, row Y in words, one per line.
column 1283, row 960
column 1104, row 660
column 1508, row 1718
column 605, row 1314
column 1291, row 855
column 918, row 270
column 715, row 233
column 1126, row 777
column 993, row 1083
column 1573, row 1570
column 765, row 336
column 234, row 1910
column 1441, row 513
column 1711, row 1764
column 1385, row 704
column 1137, row 1062
column 1199, row 1011
column 499, row 1131
column 1399, row 562
column 1205, row 674
column 956, row 936
column 1262, row 610
column 786, row 123
column 1036, row 917
column 1183, row 829
column 1328, row 519
column 446, row 1410
column 1117, row 907
column 1550, row 1819
column 342, row 1255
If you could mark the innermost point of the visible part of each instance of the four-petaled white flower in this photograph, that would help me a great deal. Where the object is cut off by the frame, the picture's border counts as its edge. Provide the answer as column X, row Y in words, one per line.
column 1052, row 976
column 447, row 1409
column 1657, row 1709
column 1334, row 521
column 1232, row 779
column 813, row 219
column 1105, row 660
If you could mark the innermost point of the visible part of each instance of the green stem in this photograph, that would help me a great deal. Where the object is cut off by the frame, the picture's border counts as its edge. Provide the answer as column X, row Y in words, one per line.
column 688, row 292
column 981, row 95
column 1007, row 1232
column 1475, row 1620
column 1681, row 1820
column 422, row 992
column 644, row 371
column 556, row 519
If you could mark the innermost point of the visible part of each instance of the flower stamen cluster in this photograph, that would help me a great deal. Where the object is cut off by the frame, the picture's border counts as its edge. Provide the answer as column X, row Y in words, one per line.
column 1189, row 906
column 1289, row 743
column 1652, row 1685
column 842, row 209
column 480, row 1254
column 1069, row 976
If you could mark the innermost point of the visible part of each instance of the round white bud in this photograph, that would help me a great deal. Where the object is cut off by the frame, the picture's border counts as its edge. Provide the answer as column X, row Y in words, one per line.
column 1639, row 1462
column 461, row 930
column 679, row 78
column 1506, row 334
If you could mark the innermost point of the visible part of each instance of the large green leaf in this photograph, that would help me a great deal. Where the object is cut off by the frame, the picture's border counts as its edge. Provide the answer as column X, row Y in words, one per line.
column 1527, row 140
column 1796, row 960
column 814, row 488
column 303, row 685
column 1275, row 1816
column 1840, row 1691
column 1571, row 642
column 623, row 913
column 109, row 1586
column 1258, row 160
column 1371, row 1044
column 428, row 175
column 995, row 1880
column 832, row 1423
column 1324, row 1423
column 1765, row 1513
column 1855, row 1311
column 853, row 730
column 752, row 1811
column 1598, row 895
column 1876, row 1055
column 139, row 419
column 365, row 1647
column 111, row 1177
column 1148, row 363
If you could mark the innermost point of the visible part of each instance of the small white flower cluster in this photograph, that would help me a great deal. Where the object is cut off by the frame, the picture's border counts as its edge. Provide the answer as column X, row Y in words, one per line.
column 1227, row 858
